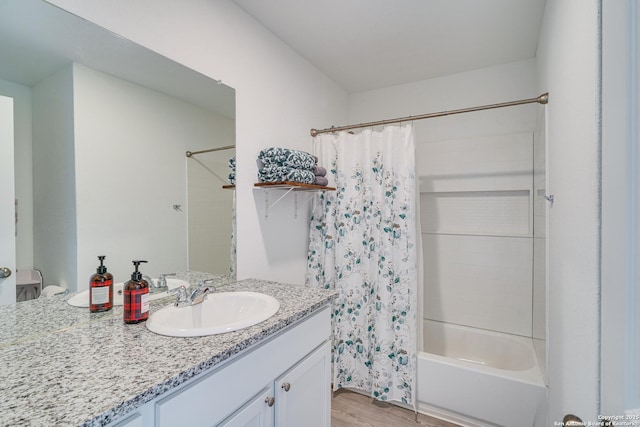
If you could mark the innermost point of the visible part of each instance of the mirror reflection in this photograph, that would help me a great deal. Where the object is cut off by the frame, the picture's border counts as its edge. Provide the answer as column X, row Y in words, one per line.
column 210, row 194
column 101, row 129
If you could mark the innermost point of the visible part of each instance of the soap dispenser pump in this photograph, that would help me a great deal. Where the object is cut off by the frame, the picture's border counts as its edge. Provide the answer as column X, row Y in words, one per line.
column 101, row 289
column 136, row 297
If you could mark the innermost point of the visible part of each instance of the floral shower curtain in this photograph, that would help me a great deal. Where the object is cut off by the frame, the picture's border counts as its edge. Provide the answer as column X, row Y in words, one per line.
column 363, row 243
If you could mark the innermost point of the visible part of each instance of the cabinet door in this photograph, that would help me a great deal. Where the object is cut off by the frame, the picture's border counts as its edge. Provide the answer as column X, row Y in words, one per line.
column 134, row 420
column 259, row 412
column 303, row 394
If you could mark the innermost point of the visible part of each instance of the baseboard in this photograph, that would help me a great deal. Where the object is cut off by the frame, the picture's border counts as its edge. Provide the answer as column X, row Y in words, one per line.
column 451, row 417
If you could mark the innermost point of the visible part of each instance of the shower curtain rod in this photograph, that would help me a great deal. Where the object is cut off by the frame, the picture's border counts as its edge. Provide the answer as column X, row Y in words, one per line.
column 542, row 99
column 226, row 147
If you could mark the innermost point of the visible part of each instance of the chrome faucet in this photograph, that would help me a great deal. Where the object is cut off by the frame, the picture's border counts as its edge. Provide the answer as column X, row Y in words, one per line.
column 154, row 287
column 197, row 295
column 159, row 285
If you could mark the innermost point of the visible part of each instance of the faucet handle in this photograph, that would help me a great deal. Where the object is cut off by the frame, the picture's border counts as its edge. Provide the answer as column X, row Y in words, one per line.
column 206, row 284
column 181, row 292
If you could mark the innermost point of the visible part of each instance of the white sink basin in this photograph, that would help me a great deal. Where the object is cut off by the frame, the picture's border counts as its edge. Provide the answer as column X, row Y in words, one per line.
column 221, row 312
column 81, row 299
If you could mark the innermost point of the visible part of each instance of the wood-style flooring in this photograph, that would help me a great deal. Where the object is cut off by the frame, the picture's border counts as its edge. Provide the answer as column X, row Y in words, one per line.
column 349, row 409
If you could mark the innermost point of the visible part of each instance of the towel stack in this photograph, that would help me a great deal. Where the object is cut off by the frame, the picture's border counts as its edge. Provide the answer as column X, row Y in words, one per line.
column 232, row 174
column 321, row 175
column 277, row 164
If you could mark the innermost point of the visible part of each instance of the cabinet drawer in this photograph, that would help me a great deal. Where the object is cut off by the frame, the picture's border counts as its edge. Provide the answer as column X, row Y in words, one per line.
column 215, row 396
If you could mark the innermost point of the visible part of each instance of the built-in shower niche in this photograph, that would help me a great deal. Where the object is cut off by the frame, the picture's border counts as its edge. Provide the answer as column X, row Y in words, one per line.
column 483, row 213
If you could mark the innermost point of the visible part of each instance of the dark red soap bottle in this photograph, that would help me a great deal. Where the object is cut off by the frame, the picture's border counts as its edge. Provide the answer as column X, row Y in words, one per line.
column 136, row 297
column 101, row 289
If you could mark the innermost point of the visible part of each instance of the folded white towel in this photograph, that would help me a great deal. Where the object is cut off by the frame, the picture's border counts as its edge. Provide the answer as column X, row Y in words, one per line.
column 52, row 290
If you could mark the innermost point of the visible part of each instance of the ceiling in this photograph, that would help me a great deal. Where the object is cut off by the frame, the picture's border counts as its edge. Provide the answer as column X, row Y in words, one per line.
column 371, row 44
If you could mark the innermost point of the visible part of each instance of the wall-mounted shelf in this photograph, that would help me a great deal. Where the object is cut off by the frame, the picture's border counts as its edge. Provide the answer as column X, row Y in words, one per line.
column 289, row 186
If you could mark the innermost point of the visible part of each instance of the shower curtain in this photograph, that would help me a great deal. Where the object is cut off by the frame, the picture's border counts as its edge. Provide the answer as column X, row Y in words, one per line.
column 363, row 243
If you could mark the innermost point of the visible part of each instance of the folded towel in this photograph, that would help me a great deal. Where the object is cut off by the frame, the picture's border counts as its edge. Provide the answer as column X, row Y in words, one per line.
column 288, row 157
column 320, row 180
column 319, row 171
column 272, row 173
column 232, row 173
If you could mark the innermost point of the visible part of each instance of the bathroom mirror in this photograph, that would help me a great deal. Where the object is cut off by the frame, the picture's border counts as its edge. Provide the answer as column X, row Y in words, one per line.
column 102, row 127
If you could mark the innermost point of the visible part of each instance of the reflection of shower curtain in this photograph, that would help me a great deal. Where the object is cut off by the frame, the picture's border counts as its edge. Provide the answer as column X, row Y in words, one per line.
column 363, row 243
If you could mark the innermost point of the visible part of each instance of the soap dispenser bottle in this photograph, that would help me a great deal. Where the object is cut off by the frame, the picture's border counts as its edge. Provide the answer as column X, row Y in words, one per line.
column 101, row 289
column 136, row 297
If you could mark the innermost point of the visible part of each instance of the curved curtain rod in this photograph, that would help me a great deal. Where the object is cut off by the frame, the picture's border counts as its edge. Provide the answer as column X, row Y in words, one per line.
column 542, row 99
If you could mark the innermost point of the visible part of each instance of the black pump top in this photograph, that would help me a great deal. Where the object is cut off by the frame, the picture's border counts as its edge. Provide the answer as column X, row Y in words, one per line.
column 136, row 275
column 102, row 269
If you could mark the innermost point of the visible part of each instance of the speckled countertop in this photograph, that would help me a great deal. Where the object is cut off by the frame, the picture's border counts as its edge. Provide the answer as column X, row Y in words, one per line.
column 63, row 366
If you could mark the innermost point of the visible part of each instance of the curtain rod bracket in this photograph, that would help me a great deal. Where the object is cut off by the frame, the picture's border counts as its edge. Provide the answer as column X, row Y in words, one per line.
column 544, row 98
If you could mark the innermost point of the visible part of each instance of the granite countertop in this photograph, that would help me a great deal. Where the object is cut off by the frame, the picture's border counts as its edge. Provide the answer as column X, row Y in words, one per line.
column 63, row 366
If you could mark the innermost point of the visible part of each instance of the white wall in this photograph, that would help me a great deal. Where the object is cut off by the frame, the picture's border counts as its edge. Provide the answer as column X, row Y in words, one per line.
column 23, row 170
column 279, row 97
column 568, row 68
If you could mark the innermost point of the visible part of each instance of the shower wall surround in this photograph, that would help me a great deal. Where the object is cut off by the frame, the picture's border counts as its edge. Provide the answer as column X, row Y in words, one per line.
column 477, row 228
column 539, row 229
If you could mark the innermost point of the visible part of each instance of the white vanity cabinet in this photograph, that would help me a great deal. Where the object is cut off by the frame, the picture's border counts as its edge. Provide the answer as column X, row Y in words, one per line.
column 300, row 400
column 280, row 381
column 135, row 420
column 300, row 397
column 259, row 412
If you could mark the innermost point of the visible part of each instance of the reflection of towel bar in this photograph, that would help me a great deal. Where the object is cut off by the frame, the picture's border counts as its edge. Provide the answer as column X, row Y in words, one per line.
column 193, row 153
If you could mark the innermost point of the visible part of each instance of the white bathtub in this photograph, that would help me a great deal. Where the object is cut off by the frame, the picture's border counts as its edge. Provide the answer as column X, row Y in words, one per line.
column 476, row 378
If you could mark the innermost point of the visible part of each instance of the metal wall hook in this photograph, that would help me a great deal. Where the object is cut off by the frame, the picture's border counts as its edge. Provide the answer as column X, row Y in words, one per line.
column 549, row 198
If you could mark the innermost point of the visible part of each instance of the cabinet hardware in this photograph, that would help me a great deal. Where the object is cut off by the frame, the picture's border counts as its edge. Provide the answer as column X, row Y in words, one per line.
column 5, row 272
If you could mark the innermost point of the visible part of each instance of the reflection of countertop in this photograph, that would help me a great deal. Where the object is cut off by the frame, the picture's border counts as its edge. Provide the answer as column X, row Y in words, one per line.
column 63, row 366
